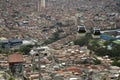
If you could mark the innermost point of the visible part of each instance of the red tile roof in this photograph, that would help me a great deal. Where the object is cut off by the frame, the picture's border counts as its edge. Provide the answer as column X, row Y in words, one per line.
column 15, row 58
column 74, row 69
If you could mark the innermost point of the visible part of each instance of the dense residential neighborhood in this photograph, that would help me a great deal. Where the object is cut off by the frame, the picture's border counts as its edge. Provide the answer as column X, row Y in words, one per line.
column 59, row 40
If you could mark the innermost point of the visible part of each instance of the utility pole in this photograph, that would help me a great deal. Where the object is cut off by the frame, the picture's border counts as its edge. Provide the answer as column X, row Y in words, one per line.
column 38, row 50
column 39, row 1
column 39, row 66
column 32, row 53
column 39, row 63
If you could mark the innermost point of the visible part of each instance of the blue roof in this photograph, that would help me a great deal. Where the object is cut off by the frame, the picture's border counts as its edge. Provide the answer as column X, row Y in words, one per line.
column 3, row 41
column 15, row 40
column 107, row 37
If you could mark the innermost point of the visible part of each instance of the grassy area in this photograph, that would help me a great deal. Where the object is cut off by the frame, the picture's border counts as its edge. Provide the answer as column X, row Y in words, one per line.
column 117, row 42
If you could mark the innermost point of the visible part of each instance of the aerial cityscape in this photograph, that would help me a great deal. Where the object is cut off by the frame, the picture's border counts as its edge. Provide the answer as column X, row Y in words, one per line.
column 59, row 39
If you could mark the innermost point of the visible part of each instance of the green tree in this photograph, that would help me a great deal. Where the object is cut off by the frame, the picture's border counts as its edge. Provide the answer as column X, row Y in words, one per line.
column 96, row 62
column 116, row 63
column 108, row 42
column 25, row 49
column 83, row 40
column 59, row 24
column 102, row 51
column 55, row 37
column 48, row 41
column 93, row 45
column 11, row 78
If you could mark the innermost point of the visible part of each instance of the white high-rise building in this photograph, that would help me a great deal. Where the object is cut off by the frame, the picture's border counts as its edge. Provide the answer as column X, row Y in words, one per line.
column 42, row 4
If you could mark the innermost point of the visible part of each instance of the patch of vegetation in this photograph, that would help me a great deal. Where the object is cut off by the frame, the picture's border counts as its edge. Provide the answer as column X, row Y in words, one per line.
column 96, row 62
column 83, row 40
column 55, row 37
column 51, row 27
column 11, row 78
column 59, row 24
column 25, row 49
column 100, row 48
column 116, row 63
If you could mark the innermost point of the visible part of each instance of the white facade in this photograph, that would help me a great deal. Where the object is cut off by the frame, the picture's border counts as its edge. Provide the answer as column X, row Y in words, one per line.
column 42, row 3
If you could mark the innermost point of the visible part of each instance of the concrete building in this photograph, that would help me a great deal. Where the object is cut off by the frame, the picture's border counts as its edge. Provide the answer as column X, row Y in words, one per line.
column 43, row 3
column 15, row 61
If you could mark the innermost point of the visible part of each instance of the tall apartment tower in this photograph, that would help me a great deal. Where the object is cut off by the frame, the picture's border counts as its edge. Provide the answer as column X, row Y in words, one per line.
column 41, row 4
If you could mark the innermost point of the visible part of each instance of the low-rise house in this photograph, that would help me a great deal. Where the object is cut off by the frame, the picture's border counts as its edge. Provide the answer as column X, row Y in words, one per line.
column 16, row 63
